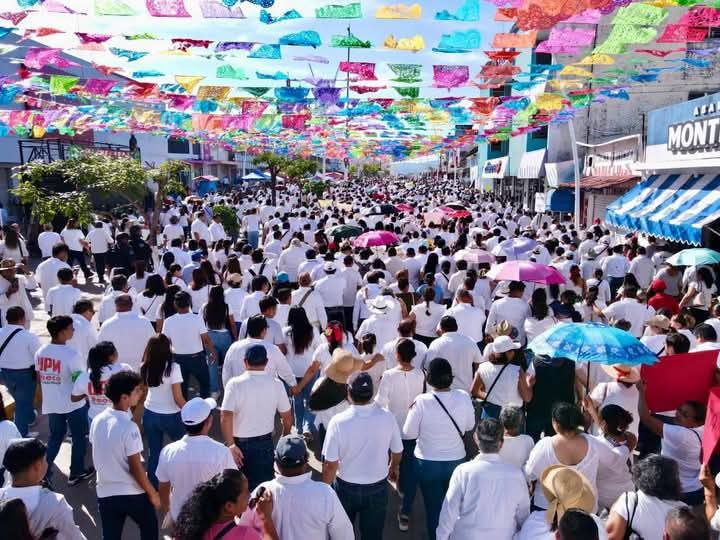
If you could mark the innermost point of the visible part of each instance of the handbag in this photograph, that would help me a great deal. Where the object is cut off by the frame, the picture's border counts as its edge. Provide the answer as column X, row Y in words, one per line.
column 487, row 394
column 630, row 534
column 466, row 438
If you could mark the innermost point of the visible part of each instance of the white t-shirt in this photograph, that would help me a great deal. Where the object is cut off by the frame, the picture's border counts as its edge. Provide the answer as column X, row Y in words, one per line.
column 160, row 398
column 437, row 438
column 46, row 240
column 253, row 398
column 55, row 366
column 199, row 297
column 613, row 481
column 505, row 392
column 650, row 513
column 516, row 450
column 98, row 400
column 99, row 239
column 359, row 438
column 615, row 393
column 299, row 362
column 72, row 238
column 188, row 462
column 115, row 437
column 426, row 325
column 61, row 299
column 184, row 331
column 397, row 391
column 8, row 432
column 684, row 446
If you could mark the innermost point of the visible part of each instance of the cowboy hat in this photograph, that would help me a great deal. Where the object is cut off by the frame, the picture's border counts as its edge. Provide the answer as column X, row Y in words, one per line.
column 622, row 373
column 379, row 305
column 342, row 364
column 503, row 328
column 565, row 488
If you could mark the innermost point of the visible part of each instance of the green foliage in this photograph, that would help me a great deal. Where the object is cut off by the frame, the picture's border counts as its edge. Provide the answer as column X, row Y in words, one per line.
column 297, row 169
column 168, row 177
column 316, row 187
column 228, row 219
column 272, row 161
column 372, row 169
column 65, row 187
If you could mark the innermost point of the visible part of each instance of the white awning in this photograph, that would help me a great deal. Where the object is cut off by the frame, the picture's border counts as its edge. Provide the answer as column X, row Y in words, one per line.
column 495, row 168
column 532, row 164
column 559, row 173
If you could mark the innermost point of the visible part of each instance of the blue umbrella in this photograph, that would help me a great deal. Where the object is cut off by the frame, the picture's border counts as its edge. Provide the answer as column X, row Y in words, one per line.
column 592, row 342
column 694, row 257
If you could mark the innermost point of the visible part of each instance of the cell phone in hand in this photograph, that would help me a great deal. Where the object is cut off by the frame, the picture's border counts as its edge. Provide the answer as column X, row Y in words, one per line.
column 253, row 501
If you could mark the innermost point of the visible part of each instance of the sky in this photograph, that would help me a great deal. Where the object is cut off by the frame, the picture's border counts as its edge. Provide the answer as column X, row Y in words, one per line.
column 251, row 29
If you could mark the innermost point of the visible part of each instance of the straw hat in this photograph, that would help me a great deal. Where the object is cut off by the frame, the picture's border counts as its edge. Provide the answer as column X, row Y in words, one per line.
column 342, row 365
column 659, row 321
column 7, row 264
column 622, row 373
column 503, row 328
column 565, row 488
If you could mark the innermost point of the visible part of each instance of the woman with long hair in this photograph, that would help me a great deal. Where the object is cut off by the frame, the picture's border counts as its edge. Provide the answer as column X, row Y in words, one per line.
column 73, row 236
column 16, row 523
column 699, row 295
column 199, row 289
column 167, row 308
column 210, row 274
column 427, row 315
column 138, row 279
column 576, row 283
column 164, row 399
column 541, row 316
column 166, row 261
column 102, row 364
column 13, row 247
column 431, row 265
column 222, row 330
column 301, row 340
column 210, row 511
column 174, row 277
column 151, row 297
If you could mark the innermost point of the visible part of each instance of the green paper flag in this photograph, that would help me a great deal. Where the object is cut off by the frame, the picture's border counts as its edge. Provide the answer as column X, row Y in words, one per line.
column 113, row 7
column 408, row 92
column 333, row 11
column 349, row 42
column 256, row 91
column 407, row 73
column 229, row 72
column 61, row 84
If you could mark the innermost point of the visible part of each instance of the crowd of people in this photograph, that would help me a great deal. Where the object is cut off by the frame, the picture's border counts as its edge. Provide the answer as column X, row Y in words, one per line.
column 398, row 368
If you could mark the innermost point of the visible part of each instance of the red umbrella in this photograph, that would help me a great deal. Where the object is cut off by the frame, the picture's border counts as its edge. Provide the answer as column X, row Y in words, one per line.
column 376, row 238
column 458, row 214
column 403, row 207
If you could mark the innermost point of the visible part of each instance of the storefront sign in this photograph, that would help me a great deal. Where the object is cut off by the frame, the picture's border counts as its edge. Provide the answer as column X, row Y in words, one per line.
column 697, row 135
column 495, row 168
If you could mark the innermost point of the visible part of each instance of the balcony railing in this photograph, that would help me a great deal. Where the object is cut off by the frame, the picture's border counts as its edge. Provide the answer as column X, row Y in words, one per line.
column 49, row 150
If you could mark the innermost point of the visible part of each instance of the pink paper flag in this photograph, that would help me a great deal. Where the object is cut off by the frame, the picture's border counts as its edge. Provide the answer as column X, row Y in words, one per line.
column 450, row 76
column 92, row 38
column 166, row 8
column 215, row 9
column 680, row 33
column 100, row 87
column 365, row 70
column 590, row 16
column 38, row 57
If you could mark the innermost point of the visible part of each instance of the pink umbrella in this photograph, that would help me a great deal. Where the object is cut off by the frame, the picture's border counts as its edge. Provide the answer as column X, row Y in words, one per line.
column 477, row 256
column 526, row 271
column 403, row 207
column 458, row 214
column 376, row 238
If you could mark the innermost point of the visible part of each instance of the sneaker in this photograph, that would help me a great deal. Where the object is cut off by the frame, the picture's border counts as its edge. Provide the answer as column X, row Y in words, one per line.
column 74, row 480
column 403, row 522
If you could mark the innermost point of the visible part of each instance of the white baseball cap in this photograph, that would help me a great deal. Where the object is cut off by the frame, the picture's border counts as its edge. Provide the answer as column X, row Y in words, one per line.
column 197, row 410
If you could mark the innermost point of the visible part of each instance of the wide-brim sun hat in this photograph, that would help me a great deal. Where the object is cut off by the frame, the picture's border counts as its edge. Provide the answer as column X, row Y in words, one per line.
column 565, row 488
column 342, row 365
column 503, row 344
column 622, row 373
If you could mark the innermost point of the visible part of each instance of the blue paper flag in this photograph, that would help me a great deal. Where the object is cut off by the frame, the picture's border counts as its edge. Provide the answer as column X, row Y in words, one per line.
column 469, row 11
column 277, row 76
column 291, row 94
column 306, row 38
column 267, row 18
column 269, row 51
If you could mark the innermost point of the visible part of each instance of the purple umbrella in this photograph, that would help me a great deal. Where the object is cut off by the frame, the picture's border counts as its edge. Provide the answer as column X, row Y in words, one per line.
column 376, row 238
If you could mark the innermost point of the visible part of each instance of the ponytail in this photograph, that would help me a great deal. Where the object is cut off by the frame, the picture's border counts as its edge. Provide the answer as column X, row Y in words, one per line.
column 99, row 356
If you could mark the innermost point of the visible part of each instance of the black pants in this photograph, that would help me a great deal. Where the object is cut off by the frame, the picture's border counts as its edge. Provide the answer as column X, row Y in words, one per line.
column 348, row 311
column 79, row 256
column 336, row 314
column 115, row 510
column 257, row 459
column 100, row 265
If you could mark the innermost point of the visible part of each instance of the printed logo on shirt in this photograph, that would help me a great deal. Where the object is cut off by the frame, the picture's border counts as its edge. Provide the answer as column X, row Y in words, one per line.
column 49, row 370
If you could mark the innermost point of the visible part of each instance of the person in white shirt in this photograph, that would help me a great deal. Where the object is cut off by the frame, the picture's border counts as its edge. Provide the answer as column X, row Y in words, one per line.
column 331, row 289
column 57, row 366
column 45, row 510
column 251, row 225
column 353, row 282
column 397, row 391
column 642, row 268
column 61, row 298
column 199, row 229
column 17, row 360
column 73, row 236
column 291, row 259
column 16, row 282
column 310, row 300
column 302, row 507
column 234, row 296
column 461, row 351
column 470, row 508
column 123, row 488
column 470, row 319
column 217, row 231
column 631, row 310
column 356, row 449
column 380, row 323
column 615, row 267
column 427, row 316
column 406, row 329
column 47, row 239
column 248, row 416
column 438, row 420
column 516, row 446
column 128, row 331
column 47, row 270
column 173, row 230
column 119, row 286
column 620, row 391
column 193, row 459
column 100, row 241
column 192, row 347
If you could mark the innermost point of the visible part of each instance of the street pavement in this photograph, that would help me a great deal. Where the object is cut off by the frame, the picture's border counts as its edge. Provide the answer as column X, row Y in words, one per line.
column 82, row 496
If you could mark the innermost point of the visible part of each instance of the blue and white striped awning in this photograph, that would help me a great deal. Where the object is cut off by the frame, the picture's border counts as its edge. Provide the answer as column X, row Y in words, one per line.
column 672, row 206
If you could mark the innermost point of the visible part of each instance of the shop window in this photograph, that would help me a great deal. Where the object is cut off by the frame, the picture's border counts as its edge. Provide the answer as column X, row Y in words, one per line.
column 178, row 146
column 541, row 133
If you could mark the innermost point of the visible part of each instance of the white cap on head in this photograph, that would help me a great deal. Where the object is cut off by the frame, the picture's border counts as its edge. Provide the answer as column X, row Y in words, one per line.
column 197, row 410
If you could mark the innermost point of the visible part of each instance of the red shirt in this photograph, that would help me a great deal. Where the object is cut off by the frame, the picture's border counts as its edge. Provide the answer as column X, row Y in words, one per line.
column 664, row 301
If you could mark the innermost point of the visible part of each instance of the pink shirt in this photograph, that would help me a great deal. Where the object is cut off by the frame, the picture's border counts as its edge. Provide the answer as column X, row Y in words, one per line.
column 239, row 532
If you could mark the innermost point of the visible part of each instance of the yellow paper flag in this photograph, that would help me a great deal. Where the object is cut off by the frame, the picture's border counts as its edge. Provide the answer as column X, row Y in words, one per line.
column 575, row 71
column 399, row 11
column 597, row 59
column 188, row 82
column 549, row 102
column 413, row 44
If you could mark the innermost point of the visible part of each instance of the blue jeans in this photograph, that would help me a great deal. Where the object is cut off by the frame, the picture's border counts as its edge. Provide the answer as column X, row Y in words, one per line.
column 258, row 455
column 77, row 420
column 253, row 238
column 368, row 501
column 434, row 479
column 115, row 510
column 615, row 283
column 195, row 365
column 221, row 339
column 156, row 425
column 408, row 476
column 304, row 417
column 21, row 385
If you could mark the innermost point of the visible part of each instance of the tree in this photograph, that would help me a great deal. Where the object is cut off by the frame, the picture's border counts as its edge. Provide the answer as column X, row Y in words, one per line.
column 68, row 187
column 298, row 169
column 274, row 164
column 371, row 169
column 167, row 178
